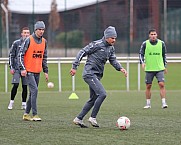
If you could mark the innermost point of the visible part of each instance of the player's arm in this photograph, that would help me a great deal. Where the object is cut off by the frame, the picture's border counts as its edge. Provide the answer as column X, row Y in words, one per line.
column 12, row 55
column 44, row 62
column 22, row 51
column 164, row 55
column 142, row 54
column 113, row 61
column 82, row 53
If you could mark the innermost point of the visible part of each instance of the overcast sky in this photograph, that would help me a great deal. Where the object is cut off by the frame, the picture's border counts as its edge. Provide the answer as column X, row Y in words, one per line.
column 43, row 6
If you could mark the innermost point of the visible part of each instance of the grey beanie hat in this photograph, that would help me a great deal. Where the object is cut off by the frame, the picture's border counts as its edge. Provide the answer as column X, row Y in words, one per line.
column 39, row 25
column 110, row 32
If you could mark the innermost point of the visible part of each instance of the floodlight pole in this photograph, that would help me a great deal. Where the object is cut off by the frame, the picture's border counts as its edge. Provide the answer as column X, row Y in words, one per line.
column 7, row 26
column 33, row 14
column 65, row 27
column 0, row 33
column 131, row 21
column 165, row 20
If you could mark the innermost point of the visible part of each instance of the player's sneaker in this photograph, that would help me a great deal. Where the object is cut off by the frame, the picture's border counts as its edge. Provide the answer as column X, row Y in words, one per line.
column 79, row 122
column 10, row 106
column 164, row 106
column 23, row 107
column 147, row 107
column 93, row 122
column 36, row 118
column 27, row 117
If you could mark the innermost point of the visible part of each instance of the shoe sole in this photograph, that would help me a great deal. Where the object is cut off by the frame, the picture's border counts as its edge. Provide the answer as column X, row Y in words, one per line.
column 94, row 125
column 10, row 108
column 81, row 125
column 36, row 120
column 164, row 107
column 147, row 107
column 27, row 119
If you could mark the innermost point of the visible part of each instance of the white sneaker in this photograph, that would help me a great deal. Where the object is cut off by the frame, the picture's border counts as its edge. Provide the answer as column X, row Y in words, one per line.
column 23, row 107
column 10, row 106
column 79, row 122
column 93, row 122
column 147, row 107
column 164, row 106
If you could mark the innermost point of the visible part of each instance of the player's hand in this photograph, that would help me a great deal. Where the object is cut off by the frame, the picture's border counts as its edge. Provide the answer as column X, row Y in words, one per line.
column 143, row 66
column 46, row 77
column 12, row 71
column 23, row 73
column 124, row 71
column 72, row 72
column 165, row 71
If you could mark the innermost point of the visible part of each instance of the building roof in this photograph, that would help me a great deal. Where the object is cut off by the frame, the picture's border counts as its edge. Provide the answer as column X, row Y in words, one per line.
column 44, row 6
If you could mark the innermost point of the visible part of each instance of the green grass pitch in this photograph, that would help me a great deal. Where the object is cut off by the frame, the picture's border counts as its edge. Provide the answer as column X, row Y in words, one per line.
column 154, row 126
column 112, row 80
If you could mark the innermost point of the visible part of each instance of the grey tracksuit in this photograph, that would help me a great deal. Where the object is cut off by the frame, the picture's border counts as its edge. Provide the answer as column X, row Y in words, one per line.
column 13, row 54
column 97, row 52
column 32, row 78
column 13, row 61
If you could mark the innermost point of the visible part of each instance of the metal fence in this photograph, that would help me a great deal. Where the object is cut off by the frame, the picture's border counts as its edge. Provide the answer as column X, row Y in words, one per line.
column 68, row 60
column 76, row 27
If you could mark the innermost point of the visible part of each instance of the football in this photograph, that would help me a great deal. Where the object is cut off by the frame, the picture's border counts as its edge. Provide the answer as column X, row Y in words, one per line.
column 123, row 123
column 50, row 85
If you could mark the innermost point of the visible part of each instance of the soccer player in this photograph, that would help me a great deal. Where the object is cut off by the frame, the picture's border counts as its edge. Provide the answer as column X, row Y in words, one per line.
column 97, row 52
column 153, row 59
column 32, row 58
column 15, row 71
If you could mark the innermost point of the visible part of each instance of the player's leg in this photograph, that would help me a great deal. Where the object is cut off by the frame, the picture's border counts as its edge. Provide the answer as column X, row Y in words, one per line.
column 15, row 82
column 24, row 92
column 88, row 105
column 100, row 92
column 148, row 80
column 161, row 80
column 33, row 81
column 34, row 94
column 26, row 115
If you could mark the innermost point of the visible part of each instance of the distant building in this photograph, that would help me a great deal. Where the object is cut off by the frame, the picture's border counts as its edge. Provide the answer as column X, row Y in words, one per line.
column 93, row 16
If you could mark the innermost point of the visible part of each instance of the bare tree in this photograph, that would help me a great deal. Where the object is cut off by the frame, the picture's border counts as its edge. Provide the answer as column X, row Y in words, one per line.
column 5, row 2
column 54, row 22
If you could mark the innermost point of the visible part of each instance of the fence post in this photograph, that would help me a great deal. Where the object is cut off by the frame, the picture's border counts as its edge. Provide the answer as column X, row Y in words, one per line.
column 139, row 76
column 127, row 80
column 73, row 83
column 6, row 77
column 59, row 76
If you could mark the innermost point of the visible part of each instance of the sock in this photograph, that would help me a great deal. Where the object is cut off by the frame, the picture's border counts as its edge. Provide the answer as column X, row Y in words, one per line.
column 148, row 101
column 11, row 101
column 23, row 103
column 163, row 101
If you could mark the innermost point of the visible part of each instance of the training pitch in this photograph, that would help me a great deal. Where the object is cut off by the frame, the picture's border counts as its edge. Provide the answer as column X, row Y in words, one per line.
column 153, row 126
